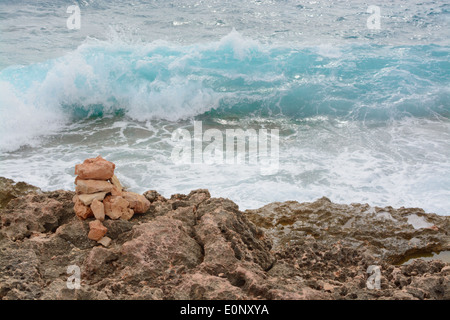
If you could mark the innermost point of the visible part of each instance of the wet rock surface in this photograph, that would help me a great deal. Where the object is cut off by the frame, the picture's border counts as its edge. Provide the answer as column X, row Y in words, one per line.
column 385, row 233
column 197, row 247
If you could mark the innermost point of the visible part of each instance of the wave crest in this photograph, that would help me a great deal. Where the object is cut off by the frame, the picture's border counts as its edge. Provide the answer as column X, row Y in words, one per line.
column 162, row 80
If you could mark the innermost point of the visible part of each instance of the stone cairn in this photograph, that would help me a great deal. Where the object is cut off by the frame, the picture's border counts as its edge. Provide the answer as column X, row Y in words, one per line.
column 99, row 194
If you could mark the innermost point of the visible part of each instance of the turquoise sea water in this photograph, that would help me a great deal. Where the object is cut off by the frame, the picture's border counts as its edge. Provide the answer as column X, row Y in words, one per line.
column 363, row 115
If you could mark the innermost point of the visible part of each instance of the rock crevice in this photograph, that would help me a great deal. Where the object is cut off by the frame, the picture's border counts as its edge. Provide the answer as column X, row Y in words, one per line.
column 197, row 247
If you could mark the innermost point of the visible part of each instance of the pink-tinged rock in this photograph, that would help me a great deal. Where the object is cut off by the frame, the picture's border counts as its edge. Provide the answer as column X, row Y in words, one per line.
column 97, row 230
column 98, row 263
column 87, row 199
column 127, row 215
column 116, row 192
column 107, row 206
column 200, row 286
column 82, row 211
column 116, row 206
column 138, row 202
column 93, row 186
column 95, row 169
column 115, row 181
column 157, row 246
column 98, row 210
column 328, row 287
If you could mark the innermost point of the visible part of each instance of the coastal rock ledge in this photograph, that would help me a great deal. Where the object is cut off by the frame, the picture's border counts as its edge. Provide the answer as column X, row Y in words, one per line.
column 197, row 247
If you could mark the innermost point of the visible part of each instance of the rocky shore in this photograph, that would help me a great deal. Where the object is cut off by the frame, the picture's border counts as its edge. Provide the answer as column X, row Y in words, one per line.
column 197, row 247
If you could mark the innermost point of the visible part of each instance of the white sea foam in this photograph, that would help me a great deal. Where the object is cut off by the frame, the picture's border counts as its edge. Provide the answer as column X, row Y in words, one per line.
column 381, row 166
column 339, row 132
column 22, row 122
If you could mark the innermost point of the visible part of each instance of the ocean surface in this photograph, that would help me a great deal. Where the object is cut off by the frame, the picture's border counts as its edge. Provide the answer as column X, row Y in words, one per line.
column 363, row 114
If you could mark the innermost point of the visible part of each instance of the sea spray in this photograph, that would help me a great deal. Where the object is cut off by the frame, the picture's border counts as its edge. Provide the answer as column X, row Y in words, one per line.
column 230, row 77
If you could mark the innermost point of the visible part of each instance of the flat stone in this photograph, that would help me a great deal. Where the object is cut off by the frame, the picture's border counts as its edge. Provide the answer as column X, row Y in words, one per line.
column 105, row 241
column 87, row 199
column 92, row 186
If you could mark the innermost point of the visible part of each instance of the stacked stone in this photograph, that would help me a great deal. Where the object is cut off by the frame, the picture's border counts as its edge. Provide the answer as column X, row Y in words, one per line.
column 99, row 194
